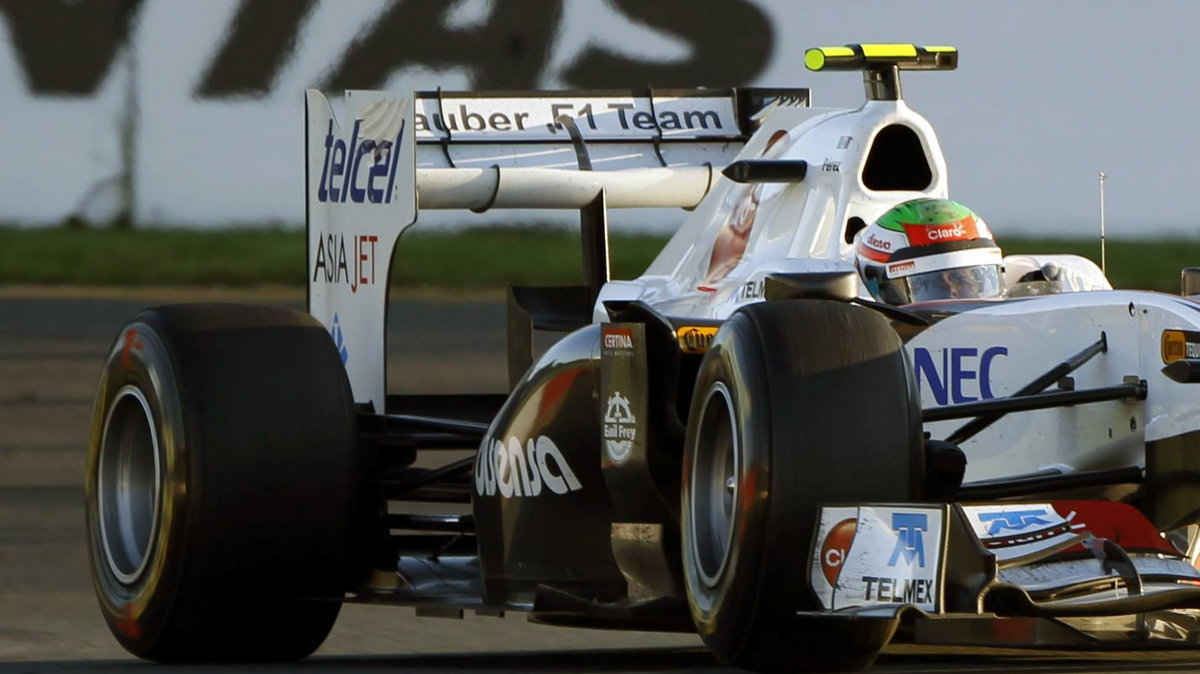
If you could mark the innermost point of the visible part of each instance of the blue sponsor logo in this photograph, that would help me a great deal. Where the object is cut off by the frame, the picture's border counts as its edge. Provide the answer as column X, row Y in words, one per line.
column 343, row 168
column 1014, row 520
column 944, row 375
column 910, row 531
column 339, row 340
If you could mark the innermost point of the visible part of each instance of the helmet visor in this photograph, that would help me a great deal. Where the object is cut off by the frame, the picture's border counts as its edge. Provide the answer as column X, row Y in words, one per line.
column 961, row 283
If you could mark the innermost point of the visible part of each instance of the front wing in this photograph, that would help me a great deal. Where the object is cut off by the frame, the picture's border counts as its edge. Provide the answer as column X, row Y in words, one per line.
column 1047, row 573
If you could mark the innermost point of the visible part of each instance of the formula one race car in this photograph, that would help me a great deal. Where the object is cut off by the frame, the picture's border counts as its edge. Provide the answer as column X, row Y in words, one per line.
column 753, row 440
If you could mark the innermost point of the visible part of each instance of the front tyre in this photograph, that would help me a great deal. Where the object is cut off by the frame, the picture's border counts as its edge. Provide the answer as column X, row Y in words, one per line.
column 222, row 480
column 797, row 403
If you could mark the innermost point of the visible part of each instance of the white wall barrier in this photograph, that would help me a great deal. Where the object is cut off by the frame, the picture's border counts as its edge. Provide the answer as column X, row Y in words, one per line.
column 191, row 113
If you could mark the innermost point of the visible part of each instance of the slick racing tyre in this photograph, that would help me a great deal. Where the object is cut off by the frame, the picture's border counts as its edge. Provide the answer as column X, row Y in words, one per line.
column 222, row 480
column 797, row 403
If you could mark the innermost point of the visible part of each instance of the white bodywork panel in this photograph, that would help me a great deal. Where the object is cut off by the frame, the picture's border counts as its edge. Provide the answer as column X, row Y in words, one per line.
column 995, row 350
column 706, row 272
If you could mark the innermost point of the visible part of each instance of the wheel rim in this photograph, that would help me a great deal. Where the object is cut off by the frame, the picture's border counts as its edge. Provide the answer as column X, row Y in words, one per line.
column 715, row 468
column 129, row 485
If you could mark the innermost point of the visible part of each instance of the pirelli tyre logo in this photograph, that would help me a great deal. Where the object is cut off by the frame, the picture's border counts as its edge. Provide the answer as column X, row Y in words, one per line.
column 878, row 555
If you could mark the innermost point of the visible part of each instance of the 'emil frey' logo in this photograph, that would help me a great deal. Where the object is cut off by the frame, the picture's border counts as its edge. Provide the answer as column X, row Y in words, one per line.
column 910, row 531
column 620, row 428
column 1015, row 520
column 341, row 169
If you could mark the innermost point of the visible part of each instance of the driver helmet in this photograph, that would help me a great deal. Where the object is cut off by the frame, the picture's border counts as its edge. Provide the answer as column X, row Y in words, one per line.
column 929, row 249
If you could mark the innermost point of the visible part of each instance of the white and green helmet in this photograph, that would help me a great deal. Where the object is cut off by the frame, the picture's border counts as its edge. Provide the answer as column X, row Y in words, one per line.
column 929, row 249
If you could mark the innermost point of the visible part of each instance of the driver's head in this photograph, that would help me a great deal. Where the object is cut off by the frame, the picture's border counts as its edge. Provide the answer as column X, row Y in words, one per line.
column 929, row 249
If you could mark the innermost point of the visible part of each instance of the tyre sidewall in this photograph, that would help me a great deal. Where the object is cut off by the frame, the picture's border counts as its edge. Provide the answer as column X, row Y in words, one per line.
column 804, row 377
column 731, row 601
column 140, row 359
column 261, row 479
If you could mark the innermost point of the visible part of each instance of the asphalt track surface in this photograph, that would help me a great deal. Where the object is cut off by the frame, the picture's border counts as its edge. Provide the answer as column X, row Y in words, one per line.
column 51, row 349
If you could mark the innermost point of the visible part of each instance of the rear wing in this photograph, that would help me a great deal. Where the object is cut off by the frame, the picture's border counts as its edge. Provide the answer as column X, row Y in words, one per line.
column 480, row 151
column 368, row 179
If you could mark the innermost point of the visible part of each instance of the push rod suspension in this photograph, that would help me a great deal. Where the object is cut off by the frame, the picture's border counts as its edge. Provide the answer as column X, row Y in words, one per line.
column 1037, row 401
column 973, row 427
column 1047, row 482
column 469, row 428
column 412, row 482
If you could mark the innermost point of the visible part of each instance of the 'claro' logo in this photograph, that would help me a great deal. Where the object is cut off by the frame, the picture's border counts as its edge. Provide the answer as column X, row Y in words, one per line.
column 835, row 547
column 517, row 471
column 947, row 233
column 922, row 235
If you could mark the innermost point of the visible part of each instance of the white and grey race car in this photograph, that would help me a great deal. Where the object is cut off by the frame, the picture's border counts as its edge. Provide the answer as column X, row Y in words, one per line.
column 741, row 442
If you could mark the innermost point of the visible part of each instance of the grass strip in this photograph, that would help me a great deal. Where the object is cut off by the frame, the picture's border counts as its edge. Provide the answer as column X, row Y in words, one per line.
column 461, row 259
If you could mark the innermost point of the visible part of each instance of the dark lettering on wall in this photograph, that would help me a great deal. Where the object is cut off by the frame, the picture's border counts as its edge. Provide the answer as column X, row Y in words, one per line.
column 731, row 41
column 260, row 41
column 508, row 51
column 67, row 48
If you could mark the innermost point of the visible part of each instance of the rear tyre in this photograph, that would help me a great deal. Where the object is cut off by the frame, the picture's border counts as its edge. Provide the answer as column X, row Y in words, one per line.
column 222, row 484
column 796, row 403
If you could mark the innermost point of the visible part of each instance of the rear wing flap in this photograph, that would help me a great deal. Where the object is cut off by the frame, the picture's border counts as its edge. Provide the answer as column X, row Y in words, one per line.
column 589, row 130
